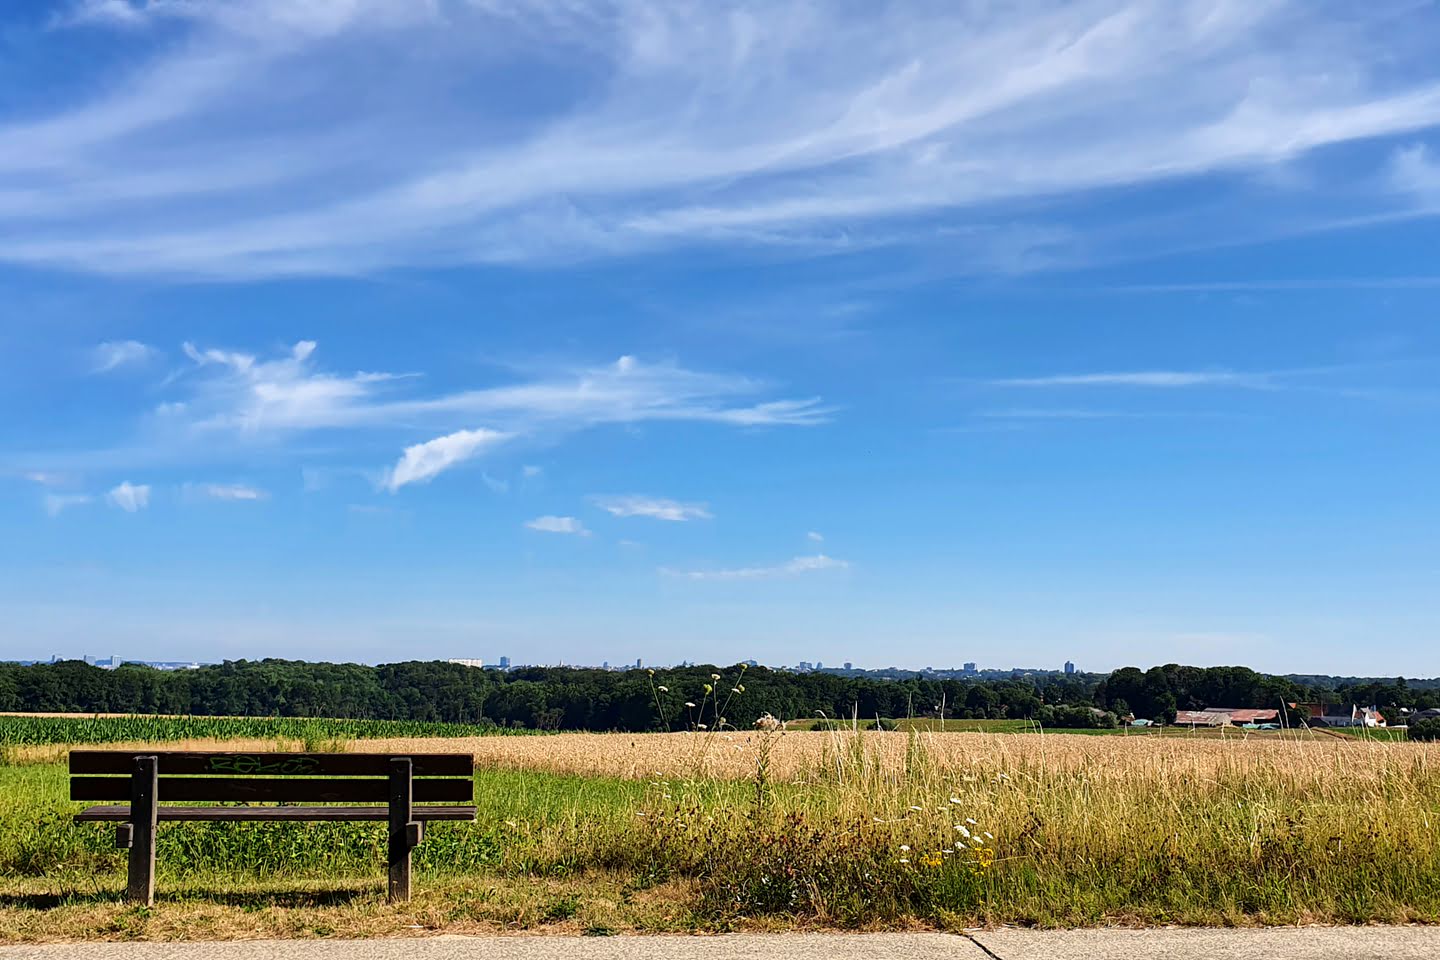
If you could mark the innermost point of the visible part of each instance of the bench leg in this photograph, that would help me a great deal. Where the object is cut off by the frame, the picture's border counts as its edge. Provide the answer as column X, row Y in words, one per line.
column 144, row 783
column 401, row 797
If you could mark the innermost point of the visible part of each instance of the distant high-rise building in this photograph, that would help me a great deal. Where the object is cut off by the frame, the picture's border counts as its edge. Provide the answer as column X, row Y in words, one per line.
column 806, row 665
column 819, row 665
column 504, row 663
column 970, row 668
column 849, row 665
column 1069, row 669
column 605, row 665
column 468, row 661
column 638, row 663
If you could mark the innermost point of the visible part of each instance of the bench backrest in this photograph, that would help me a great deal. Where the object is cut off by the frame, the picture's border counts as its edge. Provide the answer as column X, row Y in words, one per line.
column 105, row 775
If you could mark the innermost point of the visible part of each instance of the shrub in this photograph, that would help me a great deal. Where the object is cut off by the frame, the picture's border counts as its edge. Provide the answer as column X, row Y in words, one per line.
column 1075, row 718
column 1425, row 730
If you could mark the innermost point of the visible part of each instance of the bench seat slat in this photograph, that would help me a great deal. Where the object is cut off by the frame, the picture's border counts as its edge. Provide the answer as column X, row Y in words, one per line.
column 270, row 764
column 121, row 812
column 278, row 789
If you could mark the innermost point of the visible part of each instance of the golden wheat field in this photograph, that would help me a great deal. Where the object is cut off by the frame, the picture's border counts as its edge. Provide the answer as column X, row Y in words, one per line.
column 796, row 756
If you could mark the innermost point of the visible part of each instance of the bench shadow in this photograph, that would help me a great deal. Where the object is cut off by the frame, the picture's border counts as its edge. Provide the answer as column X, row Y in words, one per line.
column 288, row 899
column 49, row 901
column 248, row 900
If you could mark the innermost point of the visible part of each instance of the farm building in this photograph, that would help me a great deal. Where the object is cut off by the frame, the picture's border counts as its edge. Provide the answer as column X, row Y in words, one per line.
column 1242, row 717
column 1201, row 718
column 1225, row 717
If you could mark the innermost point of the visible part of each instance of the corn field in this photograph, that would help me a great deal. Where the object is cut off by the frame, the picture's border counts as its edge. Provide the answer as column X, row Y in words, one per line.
column 25, row 731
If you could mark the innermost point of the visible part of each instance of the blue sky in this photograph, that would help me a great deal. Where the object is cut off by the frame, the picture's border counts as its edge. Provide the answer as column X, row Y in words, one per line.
column 899, row 333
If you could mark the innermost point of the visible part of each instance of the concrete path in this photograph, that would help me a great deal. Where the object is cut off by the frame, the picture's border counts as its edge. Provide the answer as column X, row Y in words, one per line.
column 1306, row 943
column 1349, row 943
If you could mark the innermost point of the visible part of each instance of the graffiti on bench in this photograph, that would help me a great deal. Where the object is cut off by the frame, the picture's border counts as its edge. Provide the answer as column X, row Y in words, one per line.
column 250, row 765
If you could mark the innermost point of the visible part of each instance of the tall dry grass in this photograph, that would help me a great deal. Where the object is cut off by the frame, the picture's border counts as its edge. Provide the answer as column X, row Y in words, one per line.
column 1085, row 828
column 805, row 755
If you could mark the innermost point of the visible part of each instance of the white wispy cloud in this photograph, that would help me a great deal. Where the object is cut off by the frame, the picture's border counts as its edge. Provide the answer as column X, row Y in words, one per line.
column 657, row 508
column 265, row 401
column 239, row 390
column 529, row 471
column 815, row 537
column 552, row 524
column 238, row 492
column 120, row 353
column 806, row 126
column 1058, row 413
column 46, row 478
column 1415, row 170
column 58, row 503
column 791, row 568
column 1161, row 379
column 234, row 389
column 422, row 461
column 129, row 497
column 108, row 13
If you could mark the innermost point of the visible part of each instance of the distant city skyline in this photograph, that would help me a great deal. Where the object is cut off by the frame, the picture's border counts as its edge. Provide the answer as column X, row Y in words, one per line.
column 967, row 669
column 908, row 332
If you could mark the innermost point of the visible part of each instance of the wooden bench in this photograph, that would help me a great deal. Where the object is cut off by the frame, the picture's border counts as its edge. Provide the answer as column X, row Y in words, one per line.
column 331, row 786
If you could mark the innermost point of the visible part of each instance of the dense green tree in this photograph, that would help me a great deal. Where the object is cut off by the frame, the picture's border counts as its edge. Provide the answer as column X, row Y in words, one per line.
column 587, row 699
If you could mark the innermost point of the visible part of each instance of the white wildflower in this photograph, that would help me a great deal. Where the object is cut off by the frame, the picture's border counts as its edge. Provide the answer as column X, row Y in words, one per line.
column 663, row 689
column 963, row 832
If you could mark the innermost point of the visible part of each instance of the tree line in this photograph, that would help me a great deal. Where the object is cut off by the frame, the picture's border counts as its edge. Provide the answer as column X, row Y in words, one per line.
column 573, row 698
column 1159, row 692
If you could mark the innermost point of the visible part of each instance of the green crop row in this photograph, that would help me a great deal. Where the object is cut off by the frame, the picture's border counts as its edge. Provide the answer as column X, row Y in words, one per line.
column 39, row 730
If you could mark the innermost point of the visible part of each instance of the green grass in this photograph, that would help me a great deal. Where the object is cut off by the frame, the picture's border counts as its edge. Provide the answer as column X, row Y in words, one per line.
column 1383, row 734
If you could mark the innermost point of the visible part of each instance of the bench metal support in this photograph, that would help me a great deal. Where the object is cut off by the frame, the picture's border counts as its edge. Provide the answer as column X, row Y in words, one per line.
column 144, row 785
column 402, row 829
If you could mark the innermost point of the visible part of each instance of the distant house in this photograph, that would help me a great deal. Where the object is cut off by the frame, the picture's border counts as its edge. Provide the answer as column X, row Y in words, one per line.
column 1352, row 716
column 1431, row 714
